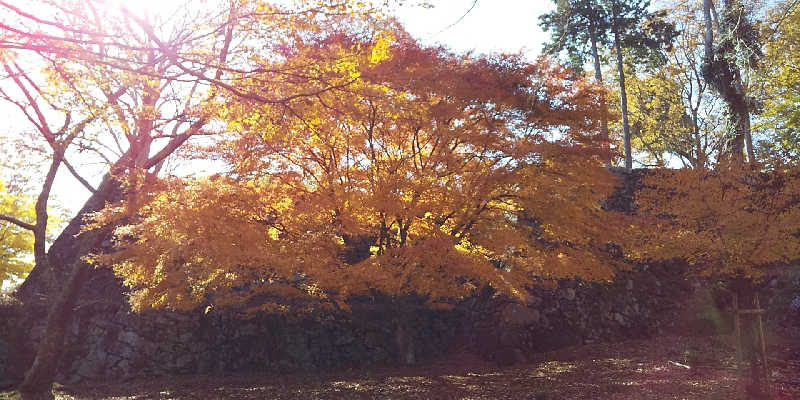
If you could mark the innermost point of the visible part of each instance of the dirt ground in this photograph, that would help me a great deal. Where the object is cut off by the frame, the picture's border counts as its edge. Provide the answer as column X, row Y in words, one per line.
column 670, row 367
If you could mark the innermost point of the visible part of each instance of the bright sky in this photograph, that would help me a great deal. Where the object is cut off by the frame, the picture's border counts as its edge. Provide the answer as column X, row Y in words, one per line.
column 491, row 26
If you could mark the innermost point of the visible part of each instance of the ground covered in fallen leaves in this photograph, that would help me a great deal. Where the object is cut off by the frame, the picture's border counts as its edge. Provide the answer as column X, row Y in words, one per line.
column 670, row 367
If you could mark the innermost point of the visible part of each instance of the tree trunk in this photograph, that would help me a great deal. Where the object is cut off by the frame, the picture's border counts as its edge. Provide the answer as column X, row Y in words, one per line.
column 626, row 130
column 61, row 254
column 725, row 77
column 40, row 377
column 700, row 158
column 708, row 36
column 65, row 265
column 403, row 334
column 739, row 120
column 748, row 138
column 598, row 77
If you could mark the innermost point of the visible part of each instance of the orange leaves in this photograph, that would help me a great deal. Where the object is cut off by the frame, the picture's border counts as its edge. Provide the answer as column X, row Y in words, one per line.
column 725, row 221
column 429, row 173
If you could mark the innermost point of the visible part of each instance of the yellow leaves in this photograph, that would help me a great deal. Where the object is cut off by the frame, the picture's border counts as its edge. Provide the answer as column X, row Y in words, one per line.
column 348, row 68
column 16, row 243
column 723, row 221
column 380, row 50
column 430, row 174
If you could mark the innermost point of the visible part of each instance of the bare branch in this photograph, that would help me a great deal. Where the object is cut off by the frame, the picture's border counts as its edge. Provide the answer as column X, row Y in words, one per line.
column 17, row 222
column 43, row 127
column 77, row 176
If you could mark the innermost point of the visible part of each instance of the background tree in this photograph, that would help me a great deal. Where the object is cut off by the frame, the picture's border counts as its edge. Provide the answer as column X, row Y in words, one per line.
column 780, row 76
column 735, row 51
column 621, row 25
column 674, row 113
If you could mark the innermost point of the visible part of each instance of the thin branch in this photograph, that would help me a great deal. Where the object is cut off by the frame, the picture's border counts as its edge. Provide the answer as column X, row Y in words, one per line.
column 77, row 176
column 474, row 3
column 52, row 23
column 17, row 222
column 43, row 128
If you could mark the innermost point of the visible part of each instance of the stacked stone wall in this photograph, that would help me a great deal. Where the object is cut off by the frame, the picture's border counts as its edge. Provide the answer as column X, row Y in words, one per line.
column 107, row 342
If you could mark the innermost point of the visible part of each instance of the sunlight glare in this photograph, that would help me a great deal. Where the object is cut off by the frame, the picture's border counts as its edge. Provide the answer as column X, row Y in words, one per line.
column 149, row 8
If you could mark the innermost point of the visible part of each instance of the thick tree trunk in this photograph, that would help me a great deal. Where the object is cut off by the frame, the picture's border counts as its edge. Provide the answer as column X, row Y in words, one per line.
column 626, row 130
column 725, row 77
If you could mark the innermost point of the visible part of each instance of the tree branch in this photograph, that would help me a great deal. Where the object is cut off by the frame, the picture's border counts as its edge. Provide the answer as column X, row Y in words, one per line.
column 17, row 222
column 77, row 176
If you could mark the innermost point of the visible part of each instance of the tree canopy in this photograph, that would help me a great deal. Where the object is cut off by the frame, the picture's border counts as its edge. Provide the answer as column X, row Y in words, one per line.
column 434, row 174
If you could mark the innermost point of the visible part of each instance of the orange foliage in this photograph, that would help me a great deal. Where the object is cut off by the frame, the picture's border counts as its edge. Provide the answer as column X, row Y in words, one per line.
column 726, row 222
column 431, row 173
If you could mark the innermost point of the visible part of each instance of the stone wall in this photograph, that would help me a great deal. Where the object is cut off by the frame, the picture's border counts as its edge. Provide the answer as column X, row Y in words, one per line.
column 107, row 342
column 637, row 304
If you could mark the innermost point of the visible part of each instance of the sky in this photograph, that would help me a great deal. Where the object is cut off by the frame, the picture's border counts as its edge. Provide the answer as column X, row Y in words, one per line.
column 491, row 26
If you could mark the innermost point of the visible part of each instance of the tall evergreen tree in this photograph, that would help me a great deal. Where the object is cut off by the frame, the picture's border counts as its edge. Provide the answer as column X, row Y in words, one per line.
column 621, row 25
column 575, row 24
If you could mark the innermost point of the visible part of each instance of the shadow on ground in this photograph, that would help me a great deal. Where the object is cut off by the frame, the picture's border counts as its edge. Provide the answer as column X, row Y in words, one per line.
column 642, row 369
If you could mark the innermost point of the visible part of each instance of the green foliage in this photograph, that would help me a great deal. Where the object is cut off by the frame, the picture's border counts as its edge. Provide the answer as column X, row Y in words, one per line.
column 646, row 34
column 659, row 123
column 571, row 26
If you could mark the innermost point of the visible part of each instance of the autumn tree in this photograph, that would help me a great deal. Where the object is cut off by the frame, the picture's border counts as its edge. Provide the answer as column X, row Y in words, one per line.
column 732, row 226
column 15, row 242
column 434, row 174
column 129, row 91
column 724, row 223
column 780, row 76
